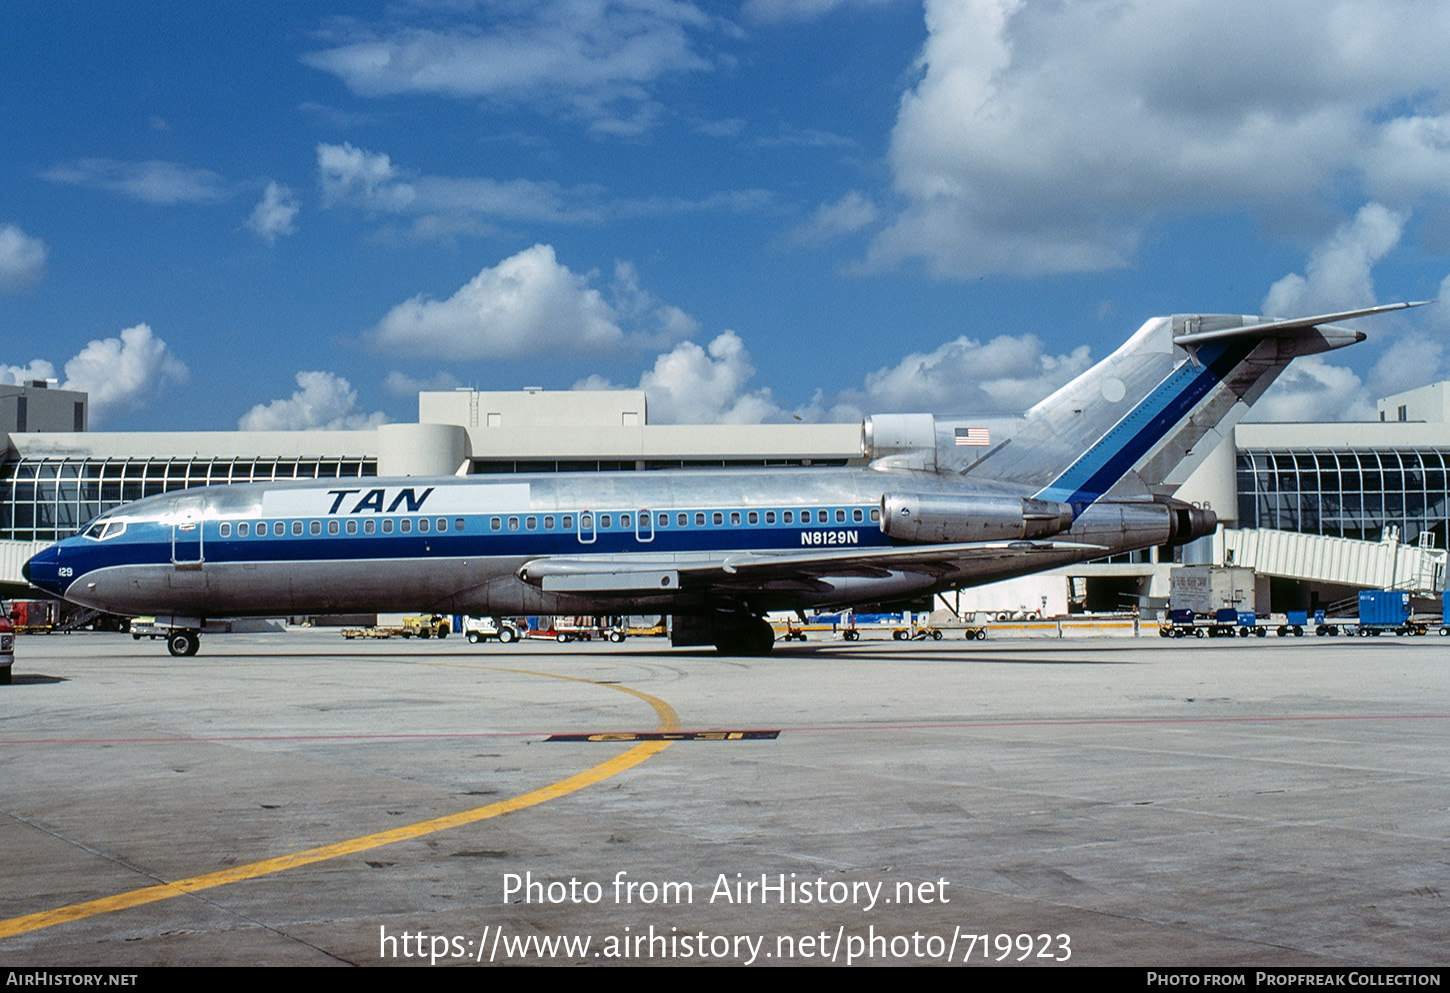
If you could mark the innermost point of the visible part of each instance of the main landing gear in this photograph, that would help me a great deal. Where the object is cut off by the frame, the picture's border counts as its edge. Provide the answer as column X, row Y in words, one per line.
column 745, row 635
column 183, row 642
column 732, row 632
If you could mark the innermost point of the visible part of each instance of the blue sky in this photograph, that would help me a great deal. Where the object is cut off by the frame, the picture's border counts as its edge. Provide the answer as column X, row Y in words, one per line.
column 296, row 215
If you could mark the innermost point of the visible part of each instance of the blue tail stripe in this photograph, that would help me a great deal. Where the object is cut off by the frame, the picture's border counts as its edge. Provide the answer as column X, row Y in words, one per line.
column 1102, row 465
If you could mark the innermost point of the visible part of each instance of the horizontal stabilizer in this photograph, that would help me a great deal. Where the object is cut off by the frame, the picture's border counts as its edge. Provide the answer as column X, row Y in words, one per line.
column 1269, row 329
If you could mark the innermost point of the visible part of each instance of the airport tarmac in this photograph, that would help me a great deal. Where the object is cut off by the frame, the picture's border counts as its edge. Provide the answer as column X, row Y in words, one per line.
column 300, row 799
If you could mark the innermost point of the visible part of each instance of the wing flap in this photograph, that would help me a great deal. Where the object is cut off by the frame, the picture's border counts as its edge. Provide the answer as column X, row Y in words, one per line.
column 647, row 572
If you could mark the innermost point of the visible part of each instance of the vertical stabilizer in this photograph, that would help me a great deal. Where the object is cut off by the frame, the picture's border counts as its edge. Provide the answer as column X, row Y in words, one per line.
column 1134, row 426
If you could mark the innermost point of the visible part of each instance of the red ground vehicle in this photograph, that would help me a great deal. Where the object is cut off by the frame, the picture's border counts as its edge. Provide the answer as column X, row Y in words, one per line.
column 7, row 649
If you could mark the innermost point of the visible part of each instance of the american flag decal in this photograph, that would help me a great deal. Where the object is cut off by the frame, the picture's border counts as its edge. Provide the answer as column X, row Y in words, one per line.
column 973, row 436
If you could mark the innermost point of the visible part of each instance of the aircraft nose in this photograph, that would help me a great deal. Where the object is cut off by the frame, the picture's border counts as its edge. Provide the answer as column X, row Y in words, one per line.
column 43, row 570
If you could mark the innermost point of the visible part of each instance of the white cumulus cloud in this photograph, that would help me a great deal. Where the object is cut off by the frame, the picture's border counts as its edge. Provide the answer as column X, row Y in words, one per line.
column 712, row 385
column 1312, row 389
column 22, row 259
column 1339, row 275
column 1003, row 376
column 1047, row 137
column 323, row 401
column 20, row 375
column 274, row 213
column 122, row 373
column 691, row 384
column 526, row 304
column 1339, row 270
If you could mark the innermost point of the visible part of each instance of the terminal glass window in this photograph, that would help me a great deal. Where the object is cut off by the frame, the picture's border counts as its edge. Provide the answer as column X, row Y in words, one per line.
column 1344, row 493
column 47, row 499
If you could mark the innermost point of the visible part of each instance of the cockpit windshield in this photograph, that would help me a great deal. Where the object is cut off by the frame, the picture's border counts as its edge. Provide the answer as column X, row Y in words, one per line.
column 104, row 528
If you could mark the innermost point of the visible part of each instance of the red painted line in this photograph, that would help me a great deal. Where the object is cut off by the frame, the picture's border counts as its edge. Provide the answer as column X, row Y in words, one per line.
column 799, row 729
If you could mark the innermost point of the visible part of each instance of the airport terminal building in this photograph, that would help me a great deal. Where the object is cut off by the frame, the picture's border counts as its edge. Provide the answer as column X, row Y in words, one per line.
column 1340, row 480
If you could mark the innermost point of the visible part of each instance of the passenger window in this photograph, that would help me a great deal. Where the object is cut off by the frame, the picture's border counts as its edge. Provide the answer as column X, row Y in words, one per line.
column 683, row 520
column 351, row 526
column 369, row 526
column 753, row 518
column 442, row 524
column 513, row 523
column 549, row 522
column 663, row 520
column 315, row 527
column 458, row 524
column 332, row 527
column 856, row 515
column 734, row 518
column 261, row 529
column 624, row 521
column 717, row 517
column 604, row 521
column 531, row 523
column 699, row 520
column 495, row 524
column 387, row 525
column 422, row 525
column 876, row 513
column 788, row 517
column 770, row 517
column 243, row 529
column 296, row 527
column 586, row 521
column 405, row 526
column 840, row 517
column 567, row 523
column 225, row 530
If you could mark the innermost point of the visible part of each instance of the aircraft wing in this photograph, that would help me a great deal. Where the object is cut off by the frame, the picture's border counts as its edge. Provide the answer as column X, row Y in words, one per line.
column 633, row 574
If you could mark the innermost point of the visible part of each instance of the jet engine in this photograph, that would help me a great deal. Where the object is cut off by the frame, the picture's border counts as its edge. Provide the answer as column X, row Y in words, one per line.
column 942, row 518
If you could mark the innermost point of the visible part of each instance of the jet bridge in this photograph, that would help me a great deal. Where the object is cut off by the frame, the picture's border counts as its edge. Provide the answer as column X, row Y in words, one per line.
column 1387, row 564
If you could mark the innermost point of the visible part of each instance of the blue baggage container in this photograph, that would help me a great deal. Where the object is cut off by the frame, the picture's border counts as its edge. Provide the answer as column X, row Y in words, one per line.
column 1383, row 608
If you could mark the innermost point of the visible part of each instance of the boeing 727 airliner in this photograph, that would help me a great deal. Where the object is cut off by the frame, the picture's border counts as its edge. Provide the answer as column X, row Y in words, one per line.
column 1090, row 471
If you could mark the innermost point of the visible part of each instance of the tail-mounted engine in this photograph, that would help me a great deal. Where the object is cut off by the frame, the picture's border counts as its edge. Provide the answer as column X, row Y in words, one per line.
column 938, row 518
column 1187, row 523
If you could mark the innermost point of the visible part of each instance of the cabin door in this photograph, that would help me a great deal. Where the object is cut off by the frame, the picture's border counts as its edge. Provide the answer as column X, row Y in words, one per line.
column 187, row 551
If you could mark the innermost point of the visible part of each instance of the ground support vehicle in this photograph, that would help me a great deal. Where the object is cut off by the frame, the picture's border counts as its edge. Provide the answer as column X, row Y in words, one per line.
column 349, row 633
column 567, row 629
column 426, row 626
column 916, row 632
column 1388, row 610
column 1295, row 621
column 791, row 631
column 34, row 616
column 146, row 627
column 1248, row 624
column 504, row 631
column 1178, row 624
column 7, row 650
column 1225, row 623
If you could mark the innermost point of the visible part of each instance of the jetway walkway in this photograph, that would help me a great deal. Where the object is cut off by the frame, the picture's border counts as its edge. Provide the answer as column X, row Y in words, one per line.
column 1387, row 564
column 13, row 555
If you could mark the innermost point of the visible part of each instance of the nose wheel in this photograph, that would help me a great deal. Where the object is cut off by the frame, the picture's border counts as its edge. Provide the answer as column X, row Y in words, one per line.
column 183, row 643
